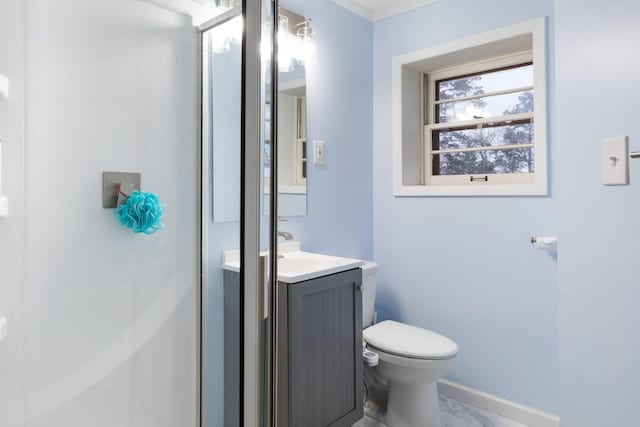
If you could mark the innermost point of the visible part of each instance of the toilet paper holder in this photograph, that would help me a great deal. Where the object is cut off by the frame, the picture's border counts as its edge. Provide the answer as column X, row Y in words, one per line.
column 544, row 242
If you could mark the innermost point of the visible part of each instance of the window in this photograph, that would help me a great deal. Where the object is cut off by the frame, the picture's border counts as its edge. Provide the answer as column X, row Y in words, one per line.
column 301, row 141
column 480, row 115
column 480, row 125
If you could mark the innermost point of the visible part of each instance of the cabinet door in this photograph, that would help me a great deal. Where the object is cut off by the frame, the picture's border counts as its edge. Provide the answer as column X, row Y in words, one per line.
column 325, row 353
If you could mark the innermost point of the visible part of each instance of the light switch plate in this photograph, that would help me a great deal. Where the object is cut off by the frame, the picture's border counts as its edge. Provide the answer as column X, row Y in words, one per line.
column 615, row 161
column 318, row 152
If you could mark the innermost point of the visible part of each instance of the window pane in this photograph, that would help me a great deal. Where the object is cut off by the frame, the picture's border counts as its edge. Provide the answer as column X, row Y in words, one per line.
column 490, row 106
column 487, row 136
column 518, row 160
column 479, row 84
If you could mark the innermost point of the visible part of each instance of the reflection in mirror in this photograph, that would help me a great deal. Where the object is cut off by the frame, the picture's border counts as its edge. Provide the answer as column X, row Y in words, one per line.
column 222, row 95
column 292, row 147
column 292, row 119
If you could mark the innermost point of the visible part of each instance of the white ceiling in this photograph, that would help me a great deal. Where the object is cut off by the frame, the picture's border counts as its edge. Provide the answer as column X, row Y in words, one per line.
column 375, row 10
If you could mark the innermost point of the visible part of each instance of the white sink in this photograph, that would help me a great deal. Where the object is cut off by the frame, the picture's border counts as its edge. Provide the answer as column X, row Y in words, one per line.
column 295, row 265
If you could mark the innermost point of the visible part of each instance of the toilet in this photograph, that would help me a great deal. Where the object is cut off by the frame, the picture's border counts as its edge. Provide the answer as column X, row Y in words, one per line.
column 411, row 360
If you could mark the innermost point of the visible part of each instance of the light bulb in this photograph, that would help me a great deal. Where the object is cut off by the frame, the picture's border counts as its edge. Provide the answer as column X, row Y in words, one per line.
column 306, row 51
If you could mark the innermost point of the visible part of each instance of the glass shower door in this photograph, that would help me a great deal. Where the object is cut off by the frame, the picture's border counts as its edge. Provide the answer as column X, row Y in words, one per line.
column 238, row 215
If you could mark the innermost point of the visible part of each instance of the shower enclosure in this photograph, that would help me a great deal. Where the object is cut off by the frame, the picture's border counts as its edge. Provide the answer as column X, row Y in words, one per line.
column 103, row 325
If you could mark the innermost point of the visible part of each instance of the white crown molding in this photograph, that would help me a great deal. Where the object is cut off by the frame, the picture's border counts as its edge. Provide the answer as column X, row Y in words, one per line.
column 357, row 8
column 399, row 7
column 378, row 14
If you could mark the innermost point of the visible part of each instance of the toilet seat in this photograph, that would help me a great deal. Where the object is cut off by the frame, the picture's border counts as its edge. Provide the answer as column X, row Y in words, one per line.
column 409, row 341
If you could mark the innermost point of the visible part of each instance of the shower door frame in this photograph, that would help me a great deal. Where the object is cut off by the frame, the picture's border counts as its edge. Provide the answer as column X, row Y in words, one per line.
column 257, row 403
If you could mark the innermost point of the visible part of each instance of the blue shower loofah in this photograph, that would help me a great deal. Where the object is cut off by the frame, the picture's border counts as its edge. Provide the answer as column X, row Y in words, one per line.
column 141, row 212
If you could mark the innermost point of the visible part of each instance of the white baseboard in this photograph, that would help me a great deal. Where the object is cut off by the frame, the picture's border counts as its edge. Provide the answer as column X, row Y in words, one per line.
column 514, row 411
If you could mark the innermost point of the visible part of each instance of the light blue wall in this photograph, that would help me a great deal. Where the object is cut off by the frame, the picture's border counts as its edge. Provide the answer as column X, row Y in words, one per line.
column 464, row 266
column 340, row 112
column 598, row 68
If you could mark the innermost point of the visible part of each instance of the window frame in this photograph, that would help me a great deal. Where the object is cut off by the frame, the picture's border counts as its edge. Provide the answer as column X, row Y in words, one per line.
column 301, row 165
column 489, row 47
column 431, row 123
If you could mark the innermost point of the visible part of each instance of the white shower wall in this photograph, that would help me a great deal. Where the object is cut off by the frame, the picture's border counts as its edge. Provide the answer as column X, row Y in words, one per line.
column 102, row 322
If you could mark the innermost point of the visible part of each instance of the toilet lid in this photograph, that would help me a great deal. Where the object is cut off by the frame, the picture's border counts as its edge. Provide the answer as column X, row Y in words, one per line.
column 409, row 341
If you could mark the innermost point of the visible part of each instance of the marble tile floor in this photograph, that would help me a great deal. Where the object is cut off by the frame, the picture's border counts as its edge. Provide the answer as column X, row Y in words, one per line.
column 455, row 414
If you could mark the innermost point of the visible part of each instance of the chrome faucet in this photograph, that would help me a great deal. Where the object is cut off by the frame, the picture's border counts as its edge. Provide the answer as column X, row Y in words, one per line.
column 286, row 235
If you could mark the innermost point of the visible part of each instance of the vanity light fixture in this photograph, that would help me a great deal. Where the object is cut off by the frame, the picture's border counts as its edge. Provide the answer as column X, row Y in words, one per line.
column 299, row 47
column 295, row 35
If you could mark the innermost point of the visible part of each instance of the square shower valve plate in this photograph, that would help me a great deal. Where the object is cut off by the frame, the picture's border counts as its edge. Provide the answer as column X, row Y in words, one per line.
column 111, row 182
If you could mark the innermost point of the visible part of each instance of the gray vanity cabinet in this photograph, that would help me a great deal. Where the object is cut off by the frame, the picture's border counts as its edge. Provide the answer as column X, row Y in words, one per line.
column 320, row 351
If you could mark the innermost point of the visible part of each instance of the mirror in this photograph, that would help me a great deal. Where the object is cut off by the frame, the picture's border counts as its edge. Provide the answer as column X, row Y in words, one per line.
column 292, row 128
column 292, row 144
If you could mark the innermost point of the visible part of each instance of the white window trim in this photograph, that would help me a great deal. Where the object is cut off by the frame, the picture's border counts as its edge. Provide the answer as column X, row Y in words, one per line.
column 539, row 187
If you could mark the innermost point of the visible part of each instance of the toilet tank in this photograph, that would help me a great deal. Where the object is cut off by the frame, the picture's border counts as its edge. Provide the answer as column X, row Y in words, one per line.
column 369, row 277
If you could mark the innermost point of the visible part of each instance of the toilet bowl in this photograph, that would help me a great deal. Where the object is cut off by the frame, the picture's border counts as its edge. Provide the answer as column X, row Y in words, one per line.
column 411, row 360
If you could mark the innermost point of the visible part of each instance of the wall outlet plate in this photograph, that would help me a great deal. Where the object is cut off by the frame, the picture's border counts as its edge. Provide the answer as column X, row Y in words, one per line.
column 111, row 183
